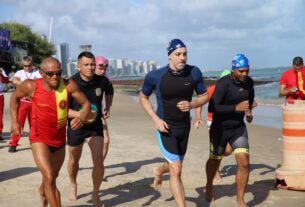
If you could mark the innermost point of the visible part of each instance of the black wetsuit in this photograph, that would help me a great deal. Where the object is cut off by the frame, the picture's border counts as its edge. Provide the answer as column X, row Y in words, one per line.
column 228, row 125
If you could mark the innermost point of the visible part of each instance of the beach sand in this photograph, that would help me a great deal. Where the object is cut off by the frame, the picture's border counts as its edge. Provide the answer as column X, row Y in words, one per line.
column 132, row 155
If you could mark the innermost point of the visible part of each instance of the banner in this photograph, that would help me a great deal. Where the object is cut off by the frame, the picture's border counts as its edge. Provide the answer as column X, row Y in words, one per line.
column 5, row 41
column 300, row 82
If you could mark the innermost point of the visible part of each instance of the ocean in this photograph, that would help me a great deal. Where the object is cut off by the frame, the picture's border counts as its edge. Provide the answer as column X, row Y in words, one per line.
column 269, row 110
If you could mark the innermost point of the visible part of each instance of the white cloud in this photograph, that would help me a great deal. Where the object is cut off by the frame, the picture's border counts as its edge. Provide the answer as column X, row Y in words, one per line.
column 213, row 29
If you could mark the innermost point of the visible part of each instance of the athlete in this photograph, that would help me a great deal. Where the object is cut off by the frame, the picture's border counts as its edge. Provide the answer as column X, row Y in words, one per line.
column 174, row 85
column 209, row 119
column 3, row 80
column 101, row 67
column 288, row 81
column 93, row 86
column 28, row 72
column 231, row 101
column 49, row 96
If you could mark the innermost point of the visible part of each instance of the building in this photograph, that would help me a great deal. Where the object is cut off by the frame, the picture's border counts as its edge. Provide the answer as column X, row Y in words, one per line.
column 64, row 56
column 85, row 47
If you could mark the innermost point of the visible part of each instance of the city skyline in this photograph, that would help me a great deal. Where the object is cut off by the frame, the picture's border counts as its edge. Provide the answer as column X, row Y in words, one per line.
column 270, row 33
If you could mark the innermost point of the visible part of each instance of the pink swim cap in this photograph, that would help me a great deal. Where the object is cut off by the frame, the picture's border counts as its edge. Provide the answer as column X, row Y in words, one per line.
column 101, row 60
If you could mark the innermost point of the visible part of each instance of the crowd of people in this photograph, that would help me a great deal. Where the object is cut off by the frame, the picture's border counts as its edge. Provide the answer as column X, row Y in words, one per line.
column 75, row 111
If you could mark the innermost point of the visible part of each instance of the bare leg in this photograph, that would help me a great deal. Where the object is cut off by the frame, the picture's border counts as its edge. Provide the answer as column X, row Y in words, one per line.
column 49, row 165
column 73, row 167
column 42, row 196
column 158, row 172
column 242, row 176
column 211, row 167
column 217, row 177
column 95, row 144
column 176, row 185
column 106, row 139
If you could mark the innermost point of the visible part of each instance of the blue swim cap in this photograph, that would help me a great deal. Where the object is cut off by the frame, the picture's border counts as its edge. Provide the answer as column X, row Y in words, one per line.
column 173, row 45
column 240, row 61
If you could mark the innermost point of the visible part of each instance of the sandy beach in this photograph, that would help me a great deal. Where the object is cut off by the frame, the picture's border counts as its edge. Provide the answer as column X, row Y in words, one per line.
column 132, row 155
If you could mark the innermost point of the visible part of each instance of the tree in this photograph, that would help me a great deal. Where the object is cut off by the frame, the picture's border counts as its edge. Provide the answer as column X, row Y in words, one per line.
column 39, row 48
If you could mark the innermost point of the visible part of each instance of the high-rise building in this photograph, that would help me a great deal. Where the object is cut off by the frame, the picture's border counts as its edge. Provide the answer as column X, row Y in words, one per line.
column 86, row 47
column 64, row 57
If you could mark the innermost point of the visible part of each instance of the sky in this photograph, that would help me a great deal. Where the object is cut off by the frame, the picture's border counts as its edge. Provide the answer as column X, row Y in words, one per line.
column 269, row 32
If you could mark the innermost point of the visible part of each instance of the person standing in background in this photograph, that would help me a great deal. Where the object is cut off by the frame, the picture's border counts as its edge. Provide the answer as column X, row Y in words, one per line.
column 101, row 68
column 25, row 107
column 289, row 80
column 3, row 80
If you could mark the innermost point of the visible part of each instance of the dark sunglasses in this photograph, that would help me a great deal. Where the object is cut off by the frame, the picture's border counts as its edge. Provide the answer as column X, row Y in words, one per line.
column 27, row 66
column 103, row 65
column 52, row 73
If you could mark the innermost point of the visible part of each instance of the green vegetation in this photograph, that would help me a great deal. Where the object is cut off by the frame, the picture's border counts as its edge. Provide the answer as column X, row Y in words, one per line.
column 39, row 48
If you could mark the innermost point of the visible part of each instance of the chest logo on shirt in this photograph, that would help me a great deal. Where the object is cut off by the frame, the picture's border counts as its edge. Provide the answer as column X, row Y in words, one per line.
column 62, row 104
column 187, row 84
column 241, row 89
column 98, row 91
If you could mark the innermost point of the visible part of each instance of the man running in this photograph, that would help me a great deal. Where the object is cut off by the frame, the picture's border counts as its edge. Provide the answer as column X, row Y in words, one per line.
column 101, row 68
column 93, row 86
column 231, row 101
column 28, row 72
column 49, row 96
column 174, row 85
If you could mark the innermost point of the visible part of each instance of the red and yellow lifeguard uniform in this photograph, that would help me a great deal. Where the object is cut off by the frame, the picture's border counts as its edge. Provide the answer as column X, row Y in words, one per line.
column 49, row 115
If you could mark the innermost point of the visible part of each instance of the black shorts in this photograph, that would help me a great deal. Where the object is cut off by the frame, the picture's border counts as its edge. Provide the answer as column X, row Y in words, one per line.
column 55, row 149
column 78, row 137
column 173, row 145
column 219, row 138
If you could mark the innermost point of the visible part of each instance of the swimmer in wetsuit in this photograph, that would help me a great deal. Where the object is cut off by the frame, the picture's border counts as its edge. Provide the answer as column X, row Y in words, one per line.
column 232, row 100
column 174, row 85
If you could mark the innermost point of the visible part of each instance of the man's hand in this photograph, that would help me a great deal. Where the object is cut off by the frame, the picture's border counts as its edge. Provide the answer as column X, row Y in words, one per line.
column 106, row 114
column 16, row 129
column 162, row 126
column 198, row 123
column 242, row 106
column 76, row 123
column 184, row 106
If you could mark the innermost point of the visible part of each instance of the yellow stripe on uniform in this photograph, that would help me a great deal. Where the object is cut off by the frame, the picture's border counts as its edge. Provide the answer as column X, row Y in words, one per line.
column 61, row 104
column 241, row 150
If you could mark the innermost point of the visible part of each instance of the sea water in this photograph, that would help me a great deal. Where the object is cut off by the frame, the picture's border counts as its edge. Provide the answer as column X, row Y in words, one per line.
column 269, row 110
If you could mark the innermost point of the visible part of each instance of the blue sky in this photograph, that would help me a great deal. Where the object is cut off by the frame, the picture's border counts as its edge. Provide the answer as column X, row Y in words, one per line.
column 269, row 32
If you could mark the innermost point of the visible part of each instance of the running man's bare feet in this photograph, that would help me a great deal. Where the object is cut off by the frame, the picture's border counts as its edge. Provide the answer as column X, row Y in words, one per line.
column 97, row 201
column 217, row 177
column 42, row 197
column 73, row 192
column 209, row 196
column 241, row 204
column 158, row 178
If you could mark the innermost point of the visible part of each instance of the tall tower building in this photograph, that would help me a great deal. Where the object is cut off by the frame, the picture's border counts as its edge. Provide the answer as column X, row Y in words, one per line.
column 64, row 57
column 84, row 48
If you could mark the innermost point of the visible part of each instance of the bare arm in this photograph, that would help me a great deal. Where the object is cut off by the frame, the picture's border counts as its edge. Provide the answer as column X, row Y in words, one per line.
column 81, row 99
column 148, row 108
column 285, row 91
column 198, row 119
column 108, row 102
column 16, row 81
column 26, row 88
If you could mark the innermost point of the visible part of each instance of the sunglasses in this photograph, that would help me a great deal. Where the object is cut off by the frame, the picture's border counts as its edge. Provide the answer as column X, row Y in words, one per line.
column 52, row 73
column 27, row 66
column 103, row 65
